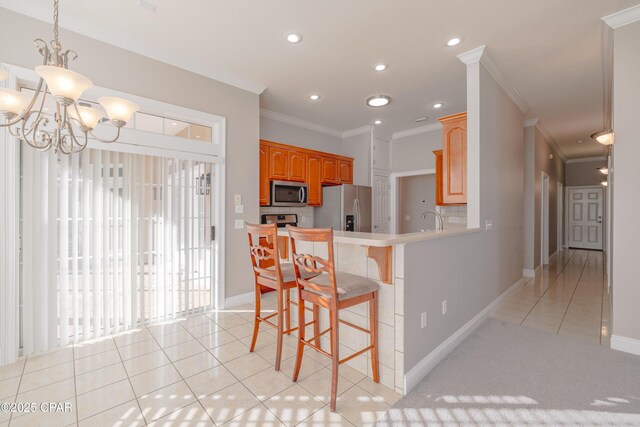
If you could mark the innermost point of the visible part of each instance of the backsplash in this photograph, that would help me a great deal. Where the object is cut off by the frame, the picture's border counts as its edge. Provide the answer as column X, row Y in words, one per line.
column 305, row 215
column 453, row 216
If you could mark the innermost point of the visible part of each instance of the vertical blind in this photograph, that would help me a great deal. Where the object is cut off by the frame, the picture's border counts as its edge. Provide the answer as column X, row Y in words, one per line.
column 111, row 240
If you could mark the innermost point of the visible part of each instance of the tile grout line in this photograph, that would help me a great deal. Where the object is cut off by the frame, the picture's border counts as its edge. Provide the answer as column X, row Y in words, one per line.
column 574, row 291
column 130, row 385
column 549, row 286
column 15, row 397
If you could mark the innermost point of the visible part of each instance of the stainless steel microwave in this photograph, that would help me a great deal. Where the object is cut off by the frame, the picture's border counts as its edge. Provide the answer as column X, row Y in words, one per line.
column 285, row 193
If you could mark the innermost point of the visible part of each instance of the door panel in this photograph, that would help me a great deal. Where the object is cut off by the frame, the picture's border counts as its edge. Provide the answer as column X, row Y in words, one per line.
column 586, row 218
column 381, row 200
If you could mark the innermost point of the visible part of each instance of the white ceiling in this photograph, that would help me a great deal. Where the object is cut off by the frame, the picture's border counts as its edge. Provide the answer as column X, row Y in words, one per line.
column 549, row 50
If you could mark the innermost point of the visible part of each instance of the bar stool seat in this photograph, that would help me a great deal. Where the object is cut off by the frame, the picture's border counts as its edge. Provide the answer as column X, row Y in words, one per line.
column 349, row 285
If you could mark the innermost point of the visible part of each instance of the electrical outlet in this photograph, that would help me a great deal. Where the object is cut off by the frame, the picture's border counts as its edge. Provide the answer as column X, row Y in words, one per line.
column 239, row 209
column 444, row 307
column 239, row 224
column 423, row 320
column 488, row 225
column 237, row 199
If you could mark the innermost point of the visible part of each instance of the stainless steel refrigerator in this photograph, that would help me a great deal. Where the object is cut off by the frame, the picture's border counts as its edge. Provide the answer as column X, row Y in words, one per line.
column 345, row 207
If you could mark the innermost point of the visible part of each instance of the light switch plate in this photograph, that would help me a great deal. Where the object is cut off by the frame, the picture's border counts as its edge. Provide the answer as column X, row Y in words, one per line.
column 488, row 225
column 237, row 199
column 239, row 209
column 239, row 224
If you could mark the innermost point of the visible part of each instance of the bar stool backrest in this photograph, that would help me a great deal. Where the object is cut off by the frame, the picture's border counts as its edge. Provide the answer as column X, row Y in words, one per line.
column 263, row 248
column 313, row 264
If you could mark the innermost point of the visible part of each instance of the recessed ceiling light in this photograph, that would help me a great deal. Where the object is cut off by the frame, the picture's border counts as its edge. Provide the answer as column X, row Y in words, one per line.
column 145, row 4
column 605, row 183
column 174, row 124
column 294, row 38
column 420, row 119
column 380, row 67
column 454, row 41
column 377, row 122
column 437, row 105
column 604, row 170
column 314, row 97
column 378, row 100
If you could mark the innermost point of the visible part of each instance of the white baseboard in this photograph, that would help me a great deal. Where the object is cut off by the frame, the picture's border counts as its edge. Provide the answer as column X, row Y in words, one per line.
column 239, row 300
column 628, row 345
column 528, row 272
column 422, row 369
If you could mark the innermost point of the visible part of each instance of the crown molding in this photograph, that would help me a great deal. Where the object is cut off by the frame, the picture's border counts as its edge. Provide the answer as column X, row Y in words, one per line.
column 357, row 131
column 623, row 17
column 283, row 118
column 416, row 131
column 587, row 159
column 480, row 54
column 546, row 135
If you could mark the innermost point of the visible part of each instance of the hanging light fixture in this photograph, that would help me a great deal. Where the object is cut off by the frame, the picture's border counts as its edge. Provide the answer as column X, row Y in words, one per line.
column 604, row 137
column 74, row 121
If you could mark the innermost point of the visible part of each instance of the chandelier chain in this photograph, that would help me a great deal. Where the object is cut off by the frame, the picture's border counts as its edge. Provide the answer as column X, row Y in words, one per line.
column 56, row 32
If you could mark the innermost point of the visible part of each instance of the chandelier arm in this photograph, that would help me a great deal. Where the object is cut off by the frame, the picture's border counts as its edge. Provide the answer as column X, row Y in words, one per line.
column 78, row 117
column 104, row 140
column 75, row 141
column 32, row 141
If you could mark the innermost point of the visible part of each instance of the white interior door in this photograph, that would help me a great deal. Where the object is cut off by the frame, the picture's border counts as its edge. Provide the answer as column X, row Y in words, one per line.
column 381, row 203
column 585, row 217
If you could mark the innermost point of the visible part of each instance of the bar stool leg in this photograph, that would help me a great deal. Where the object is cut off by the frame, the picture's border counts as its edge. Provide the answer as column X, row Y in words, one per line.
column 373, row 327
column 301, row 330
column 256, row 322
column 335, row 355
column 316, row 324
column 279, row 330
column 288, row 307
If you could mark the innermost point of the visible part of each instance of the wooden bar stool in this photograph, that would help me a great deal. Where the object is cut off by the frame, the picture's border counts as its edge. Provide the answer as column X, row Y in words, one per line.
column 270, row 275
column 333, row 291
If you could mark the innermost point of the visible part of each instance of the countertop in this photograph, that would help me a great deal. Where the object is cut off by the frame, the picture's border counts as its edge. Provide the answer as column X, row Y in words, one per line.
column 379, row 239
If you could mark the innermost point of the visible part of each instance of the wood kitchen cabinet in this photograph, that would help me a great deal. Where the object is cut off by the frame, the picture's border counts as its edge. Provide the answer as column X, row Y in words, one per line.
column 314, row 180
column 454, row 159
column 264, row 176
column 345, row 171
column 278, row 163
column 297, row 166
column 329, row 170
column 289, row 163
column 439, row 200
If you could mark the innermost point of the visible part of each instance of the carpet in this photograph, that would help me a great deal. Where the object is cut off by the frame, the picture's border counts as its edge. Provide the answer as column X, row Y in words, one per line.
column 508, row 375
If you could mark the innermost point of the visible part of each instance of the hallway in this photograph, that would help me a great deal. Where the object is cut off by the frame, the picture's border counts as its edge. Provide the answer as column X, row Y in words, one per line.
column 569, row 298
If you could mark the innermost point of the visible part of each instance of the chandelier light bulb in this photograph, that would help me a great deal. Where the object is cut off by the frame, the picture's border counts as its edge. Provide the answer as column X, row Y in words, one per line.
column 118, row 110
column 64, row 84
column 12, row 102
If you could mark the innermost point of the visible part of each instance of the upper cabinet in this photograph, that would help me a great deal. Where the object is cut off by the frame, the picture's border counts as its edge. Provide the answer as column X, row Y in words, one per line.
column 278, row 163
column 297, row 166
column 381, row 154
column 264, row 175
column 345, row 171
column 454, row 158
column 439, row 200
column 329, row 170
column 281, row 162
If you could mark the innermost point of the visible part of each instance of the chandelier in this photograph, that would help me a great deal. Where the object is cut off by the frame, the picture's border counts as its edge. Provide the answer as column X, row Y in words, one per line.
column 73, row 121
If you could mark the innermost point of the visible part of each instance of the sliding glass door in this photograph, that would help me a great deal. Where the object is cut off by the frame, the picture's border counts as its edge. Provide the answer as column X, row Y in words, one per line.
column 112, row 240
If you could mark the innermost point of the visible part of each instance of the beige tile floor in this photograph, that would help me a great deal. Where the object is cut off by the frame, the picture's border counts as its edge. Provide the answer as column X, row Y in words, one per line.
column 194, row 372
column 568, row 298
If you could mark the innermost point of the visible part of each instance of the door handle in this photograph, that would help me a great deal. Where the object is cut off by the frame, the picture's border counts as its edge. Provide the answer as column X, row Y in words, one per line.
column 300, row 194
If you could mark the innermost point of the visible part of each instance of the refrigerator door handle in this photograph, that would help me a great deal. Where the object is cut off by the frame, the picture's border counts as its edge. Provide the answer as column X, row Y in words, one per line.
column 356, row 203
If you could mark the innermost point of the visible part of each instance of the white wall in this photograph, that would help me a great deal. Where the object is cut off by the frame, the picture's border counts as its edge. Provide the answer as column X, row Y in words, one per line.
column 537, row 150
column 471, row 270
column 585, row 173
column 416, row 194
column 284, row 133
column 626, row 152
column 121, row 70
column 415, row 152
column 359, row 147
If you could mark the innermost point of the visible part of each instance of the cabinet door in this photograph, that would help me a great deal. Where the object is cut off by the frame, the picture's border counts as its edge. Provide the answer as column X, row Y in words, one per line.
column 297, row 166
column 314, row 180
column 454, row 159
column 438, row 154
column 345, row 171
column 329, row 170
column 264, row 175
column 278, row 163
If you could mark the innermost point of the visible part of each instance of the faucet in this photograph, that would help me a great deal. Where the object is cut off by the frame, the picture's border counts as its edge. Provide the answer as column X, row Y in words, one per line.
column 440, row 224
